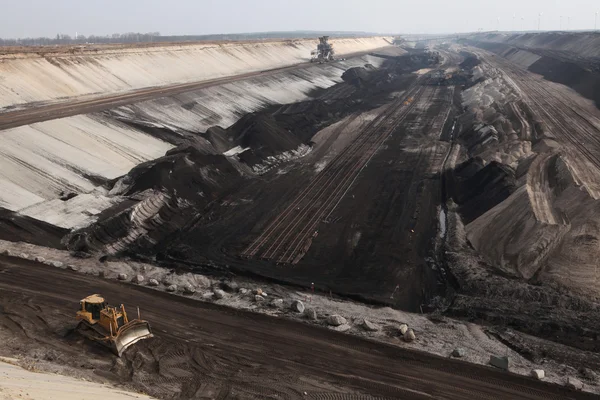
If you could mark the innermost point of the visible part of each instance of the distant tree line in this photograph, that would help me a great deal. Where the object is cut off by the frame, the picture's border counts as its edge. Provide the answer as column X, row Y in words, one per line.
column 151, row 37
column 130, row 37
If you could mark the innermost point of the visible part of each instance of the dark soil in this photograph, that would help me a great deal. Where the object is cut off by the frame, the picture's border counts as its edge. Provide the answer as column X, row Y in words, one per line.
column 19, row 228
column 584, row 80
column 580, row 73
column 278, row 129
column 185, row 171
column 477, row 188
column 202, row 350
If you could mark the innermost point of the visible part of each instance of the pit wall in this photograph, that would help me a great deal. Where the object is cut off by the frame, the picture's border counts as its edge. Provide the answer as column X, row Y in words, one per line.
column 570, row 59
column 27, row 78
column 38, row 162
column 585, row 44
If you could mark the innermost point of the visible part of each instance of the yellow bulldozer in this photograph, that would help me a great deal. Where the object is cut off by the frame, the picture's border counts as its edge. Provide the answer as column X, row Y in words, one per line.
column 109, row 325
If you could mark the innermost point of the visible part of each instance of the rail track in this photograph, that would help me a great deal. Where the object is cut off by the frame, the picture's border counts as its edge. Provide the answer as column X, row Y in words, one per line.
column 287, row 238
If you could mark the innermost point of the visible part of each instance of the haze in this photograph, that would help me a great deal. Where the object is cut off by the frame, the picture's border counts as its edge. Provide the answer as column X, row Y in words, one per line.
column 35, row 18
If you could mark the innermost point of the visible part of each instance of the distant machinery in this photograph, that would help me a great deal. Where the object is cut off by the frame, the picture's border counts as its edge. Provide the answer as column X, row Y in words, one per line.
column 324, row 52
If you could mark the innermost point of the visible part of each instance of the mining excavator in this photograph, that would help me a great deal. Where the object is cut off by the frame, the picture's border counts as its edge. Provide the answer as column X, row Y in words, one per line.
column 324, row 52
column 110, row 325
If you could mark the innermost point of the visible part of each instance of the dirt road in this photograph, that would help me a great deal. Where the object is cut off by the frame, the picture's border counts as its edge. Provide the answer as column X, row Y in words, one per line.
column 205, row 351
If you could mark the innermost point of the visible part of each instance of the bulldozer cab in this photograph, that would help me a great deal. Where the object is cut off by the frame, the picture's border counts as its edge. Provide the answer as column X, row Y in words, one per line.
column 91, row 308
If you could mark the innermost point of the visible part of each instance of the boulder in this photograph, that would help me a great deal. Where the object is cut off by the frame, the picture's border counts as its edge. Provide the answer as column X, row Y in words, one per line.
column 311, row 314
column 277, row 303
column 500, row 362
column 219, row 294
column 243, row 291
column 538, row 374
column 208, row 295
column 122, row 277
column 258, row 298
column 341, row 328
column 589, row 374
column 409, row 336
column 230, row 286
column 297, row 306
column 6, row 253
column 172, row 288
column 459, row 352
column 258, row 292
column 40, row 259
column 403, row 328
column 369, row 326
column 139, row 278
column 72, row 267
column 189, row 289
column 24, row 256
column 574, row 383
column 336, row 320
column 153, row 282
column 57, row 264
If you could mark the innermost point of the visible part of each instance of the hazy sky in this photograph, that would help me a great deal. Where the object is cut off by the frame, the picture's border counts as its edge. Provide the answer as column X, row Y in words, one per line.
column 32, row 18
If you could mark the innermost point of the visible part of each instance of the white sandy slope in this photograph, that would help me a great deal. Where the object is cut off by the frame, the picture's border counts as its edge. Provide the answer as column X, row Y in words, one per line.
column 26, row 78
column 222, row 105
column 39, row 161
column 18, row 383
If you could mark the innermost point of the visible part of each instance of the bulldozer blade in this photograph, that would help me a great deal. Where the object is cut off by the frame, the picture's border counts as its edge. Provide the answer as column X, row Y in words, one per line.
column 130, row 334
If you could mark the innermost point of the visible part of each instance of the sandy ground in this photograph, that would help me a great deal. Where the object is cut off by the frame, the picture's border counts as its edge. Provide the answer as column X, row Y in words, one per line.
column 19, row 383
